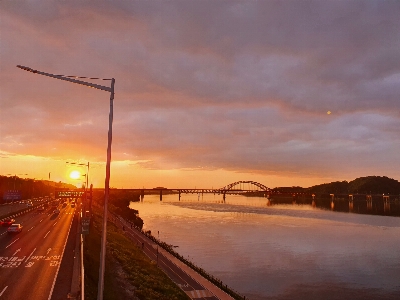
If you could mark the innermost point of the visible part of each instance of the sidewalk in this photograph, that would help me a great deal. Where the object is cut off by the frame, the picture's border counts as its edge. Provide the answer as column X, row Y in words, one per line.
column 196, row 276
column 210, row 289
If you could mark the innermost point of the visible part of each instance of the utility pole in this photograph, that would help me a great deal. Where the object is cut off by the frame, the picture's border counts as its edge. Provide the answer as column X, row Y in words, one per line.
column 107, row 180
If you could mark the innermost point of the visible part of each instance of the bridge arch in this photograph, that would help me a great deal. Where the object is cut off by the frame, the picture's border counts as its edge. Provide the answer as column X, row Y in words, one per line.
column 251, row 185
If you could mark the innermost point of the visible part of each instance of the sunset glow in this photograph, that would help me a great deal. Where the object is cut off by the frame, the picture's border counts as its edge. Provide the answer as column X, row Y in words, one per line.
column 75, row 175
column 242, row 93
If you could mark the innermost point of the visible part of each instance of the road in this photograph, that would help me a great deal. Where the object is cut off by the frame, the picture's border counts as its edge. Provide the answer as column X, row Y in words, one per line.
column 30, row 260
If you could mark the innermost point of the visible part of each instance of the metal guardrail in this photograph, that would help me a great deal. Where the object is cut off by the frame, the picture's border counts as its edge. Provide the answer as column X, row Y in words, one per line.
column 21, row 211
column 82, row 271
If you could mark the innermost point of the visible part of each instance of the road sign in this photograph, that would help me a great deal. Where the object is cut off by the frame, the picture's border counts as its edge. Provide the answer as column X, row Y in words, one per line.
column 12, row 195
column 85, row 225
column 69, row 194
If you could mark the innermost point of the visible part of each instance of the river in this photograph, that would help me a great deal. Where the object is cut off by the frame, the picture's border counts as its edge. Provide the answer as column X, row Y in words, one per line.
column 281, row 251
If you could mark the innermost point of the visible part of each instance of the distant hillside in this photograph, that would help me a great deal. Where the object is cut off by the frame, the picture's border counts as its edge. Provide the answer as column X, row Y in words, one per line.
column 289, row 189
column 361, row 185
column 30, row 188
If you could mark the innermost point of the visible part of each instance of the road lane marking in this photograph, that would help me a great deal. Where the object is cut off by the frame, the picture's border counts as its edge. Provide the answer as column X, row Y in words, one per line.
column 31, row 228
column 3, row 290
column 12, row 243
column 48, row 250
column 16, row 251
column 30, row 255
column 62, row 254
column 46, row 234
column 41, row 220
column 3, row 233
column 55, row 223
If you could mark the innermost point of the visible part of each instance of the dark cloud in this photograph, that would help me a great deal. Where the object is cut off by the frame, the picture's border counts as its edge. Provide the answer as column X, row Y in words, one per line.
column 243, row 86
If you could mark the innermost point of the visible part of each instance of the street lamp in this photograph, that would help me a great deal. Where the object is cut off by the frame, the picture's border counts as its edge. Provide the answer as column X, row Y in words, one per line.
column 74, row 79
column 83, row 165
column 86, row 177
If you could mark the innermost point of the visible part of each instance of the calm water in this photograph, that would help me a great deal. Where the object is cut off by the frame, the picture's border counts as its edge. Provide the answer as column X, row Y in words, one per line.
column 281, row 251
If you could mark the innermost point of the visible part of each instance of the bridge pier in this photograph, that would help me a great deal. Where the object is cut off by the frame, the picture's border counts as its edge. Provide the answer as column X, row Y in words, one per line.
column 369, row 202
column 386, row 203
column 351, row 202
column 179, row 193
column 386, row 206
column 141, row 195
column 160, row 195
column 224, row 196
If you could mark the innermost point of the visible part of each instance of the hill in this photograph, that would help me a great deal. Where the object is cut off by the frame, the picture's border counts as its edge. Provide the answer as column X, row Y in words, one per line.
column 361, row 185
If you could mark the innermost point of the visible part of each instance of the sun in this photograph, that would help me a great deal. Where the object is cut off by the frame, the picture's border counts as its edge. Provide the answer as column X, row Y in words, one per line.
column 75, row 175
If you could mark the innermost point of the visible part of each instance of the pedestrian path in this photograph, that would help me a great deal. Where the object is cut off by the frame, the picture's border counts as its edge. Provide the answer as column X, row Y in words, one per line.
column 202, row 289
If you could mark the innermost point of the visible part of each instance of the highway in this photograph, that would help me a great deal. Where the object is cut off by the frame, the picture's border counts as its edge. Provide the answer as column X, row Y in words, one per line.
column 30, row 260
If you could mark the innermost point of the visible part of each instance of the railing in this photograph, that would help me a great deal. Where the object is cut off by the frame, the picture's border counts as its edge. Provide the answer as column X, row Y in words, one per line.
column 169, row 248
column 82, row 271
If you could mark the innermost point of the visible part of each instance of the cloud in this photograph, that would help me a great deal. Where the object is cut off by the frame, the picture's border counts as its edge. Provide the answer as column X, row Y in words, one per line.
column 240, row 86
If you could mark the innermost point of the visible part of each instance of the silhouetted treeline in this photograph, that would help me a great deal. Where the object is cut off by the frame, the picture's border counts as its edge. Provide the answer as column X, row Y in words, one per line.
column 361, row 185
column 30, row 188
column 119, row 201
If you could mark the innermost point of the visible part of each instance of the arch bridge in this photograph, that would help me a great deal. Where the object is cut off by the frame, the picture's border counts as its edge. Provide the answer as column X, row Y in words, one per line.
column 235, row 188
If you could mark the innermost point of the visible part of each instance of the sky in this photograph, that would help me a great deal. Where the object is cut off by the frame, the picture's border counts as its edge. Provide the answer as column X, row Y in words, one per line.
column 285, row 93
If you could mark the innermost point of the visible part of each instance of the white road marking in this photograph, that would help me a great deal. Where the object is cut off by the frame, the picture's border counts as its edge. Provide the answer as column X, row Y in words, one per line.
column 41, row 220
column 3, row 290
column 3, row 233
column 55, row 223
column 48, row 250
column 12, row 243
column 16, row 251
column 30, row 255
column 46, row 234
column 31, row 228
column 62, row 254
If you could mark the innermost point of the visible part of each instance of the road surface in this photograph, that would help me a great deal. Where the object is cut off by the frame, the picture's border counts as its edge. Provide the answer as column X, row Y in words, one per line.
column 30, row 260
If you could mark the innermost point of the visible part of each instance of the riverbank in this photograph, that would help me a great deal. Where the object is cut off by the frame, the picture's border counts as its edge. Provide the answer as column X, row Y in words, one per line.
column 129, row 273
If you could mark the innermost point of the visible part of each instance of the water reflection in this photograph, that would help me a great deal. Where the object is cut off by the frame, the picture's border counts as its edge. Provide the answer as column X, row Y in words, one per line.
column 270, row 250
column 375, row 206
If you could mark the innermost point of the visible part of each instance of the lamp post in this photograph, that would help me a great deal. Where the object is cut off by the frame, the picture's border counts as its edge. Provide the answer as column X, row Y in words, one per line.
column 83, row 165
column 86, row 176
column 107, row 179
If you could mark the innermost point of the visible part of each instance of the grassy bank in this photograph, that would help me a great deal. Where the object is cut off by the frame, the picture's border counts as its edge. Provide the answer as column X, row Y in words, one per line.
column 129, row 274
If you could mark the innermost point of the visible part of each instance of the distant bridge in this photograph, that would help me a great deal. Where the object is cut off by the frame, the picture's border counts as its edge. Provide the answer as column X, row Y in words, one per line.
column 236, row 188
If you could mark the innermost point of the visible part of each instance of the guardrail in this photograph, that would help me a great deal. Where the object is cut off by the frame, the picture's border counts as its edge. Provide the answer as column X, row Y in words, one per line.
column 169, row 248
column 21, row 211
column 82, row 272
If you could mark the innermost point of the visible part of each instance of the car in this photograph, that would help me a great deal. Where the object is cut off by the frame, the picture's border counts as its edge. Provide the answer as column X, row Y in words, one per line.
column 29, row 204
column 14, row 228
column 41, row 208
column 72, row 204
column 56, row 211
column 7, row 222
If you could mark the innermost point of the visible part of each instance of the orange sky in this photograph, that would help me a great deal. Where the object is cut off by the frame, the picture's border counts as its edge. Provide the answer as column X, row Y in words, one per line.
column 207, row 92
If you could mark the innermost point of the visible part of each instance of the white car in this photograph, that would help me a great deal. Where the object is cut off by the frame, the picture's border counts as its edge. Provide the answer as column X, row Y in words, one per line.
column 14, row 228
